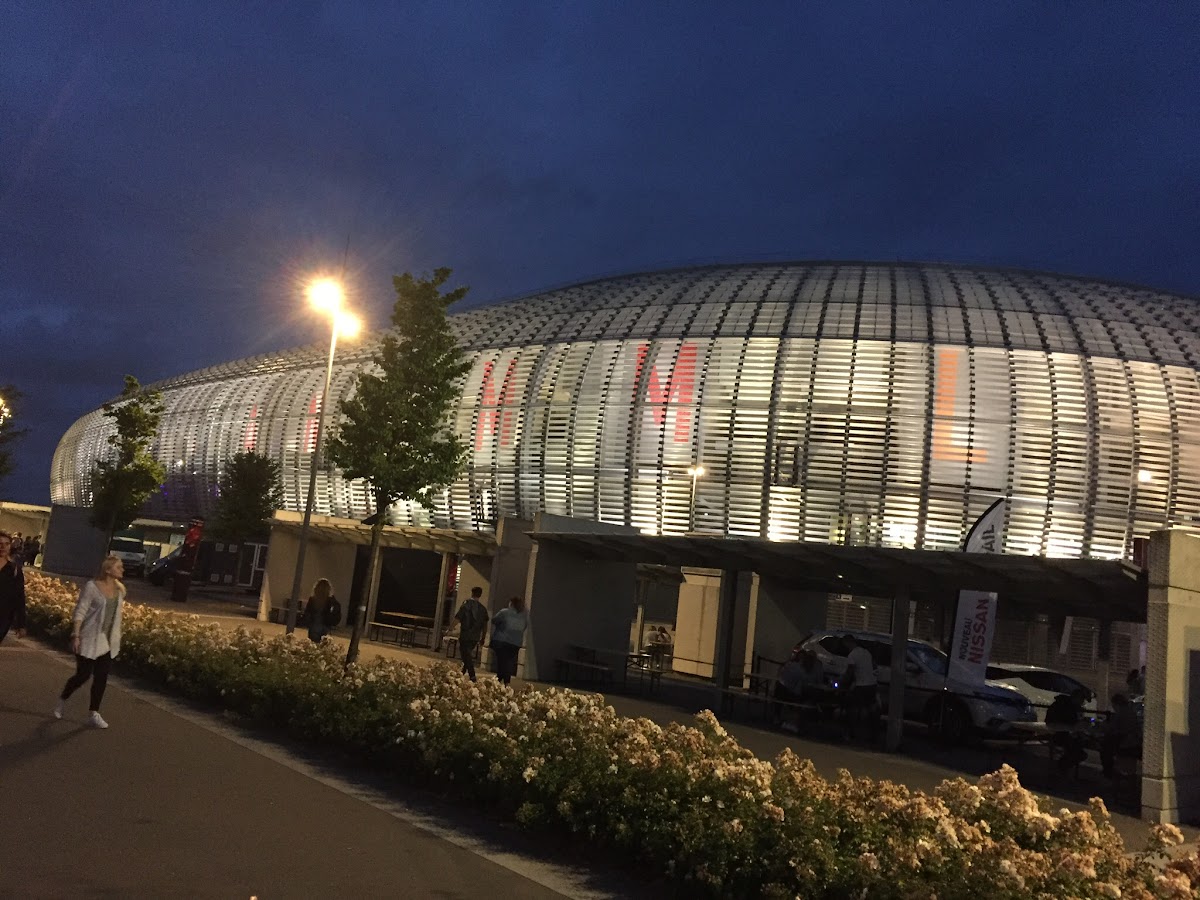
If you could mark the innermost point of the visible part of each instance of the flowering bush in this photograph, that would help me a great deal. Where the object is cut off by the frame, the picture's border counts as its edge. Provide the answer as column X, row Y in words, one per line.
column 688, row 800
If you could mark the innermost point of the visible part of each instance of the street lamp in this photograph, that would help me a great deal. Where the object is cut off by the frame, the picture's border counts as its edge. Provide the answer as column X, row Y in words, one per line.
column 695, row 472
column 327, row 296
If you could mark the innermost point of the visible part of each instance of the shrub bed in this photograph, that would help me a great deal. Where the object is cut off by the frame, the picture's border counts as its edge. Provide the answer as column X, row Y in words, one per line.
column 689, row 802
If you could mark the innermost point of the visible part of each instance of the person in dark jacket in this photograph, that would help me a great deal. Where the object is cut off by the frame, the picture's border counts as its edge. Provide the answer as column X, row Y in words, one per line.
column 12, row 590
column 1065, row 719
column 322, row 612
column 472, row 619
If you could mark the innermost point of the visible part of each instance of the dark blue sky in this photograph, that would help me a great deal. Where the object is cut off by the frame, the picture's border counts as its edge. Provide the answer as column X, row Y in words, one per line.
column 170, row 171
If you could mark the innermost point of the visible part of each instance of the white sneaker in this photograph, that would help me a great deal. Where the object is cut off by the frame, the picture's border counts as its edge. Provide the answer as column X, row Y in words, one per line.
column 95, row 721
column 58, row 708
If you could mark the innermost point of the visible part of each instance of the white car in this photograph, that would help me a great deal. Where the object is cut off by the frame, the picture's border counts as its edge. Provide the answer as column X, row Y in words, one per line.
column 949, row 707
column 132, row 552
column 1039, row 685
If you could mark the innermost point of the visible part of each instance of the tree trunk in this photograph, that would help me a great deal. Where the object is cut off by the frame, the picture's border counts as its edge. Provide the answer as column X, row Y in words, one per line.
column 365, row 593
column 108, row 535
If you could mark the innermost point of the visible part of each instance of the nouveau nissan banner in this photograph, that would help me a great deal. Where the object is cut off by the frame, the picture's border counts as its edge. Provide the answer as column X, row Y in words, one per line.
column 975, row 621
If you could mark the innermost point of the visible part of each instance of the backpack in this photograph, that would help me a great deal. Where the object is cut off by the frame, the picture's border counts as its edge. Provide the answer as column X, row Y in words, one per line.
column 473, row 617
column 333, row 613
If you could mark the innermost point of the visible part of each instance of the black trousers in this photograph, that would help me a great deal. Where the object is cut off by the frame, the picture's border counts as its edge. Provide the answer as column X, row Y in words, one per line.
column 466, row 651
column 96, row 669
column 506, row 660
column 7, row 617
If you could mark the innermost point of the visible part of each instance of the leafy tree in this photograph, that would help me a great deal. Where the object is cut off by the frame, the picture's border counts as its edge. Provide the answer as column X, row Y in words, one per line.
column 10, row 399
column 251, row 489
column 395, row 430
column 125, row 481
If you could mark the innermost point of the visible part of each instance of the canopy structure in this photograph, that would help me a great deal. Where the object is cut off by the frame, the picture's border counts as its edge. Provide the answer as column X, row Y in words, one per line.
column 405, row 537
column 1104, row 589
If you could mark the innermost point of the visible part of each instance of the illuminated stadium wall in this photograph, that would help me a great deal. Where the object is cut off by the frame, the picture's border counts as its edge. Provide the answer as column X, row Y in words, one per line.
column 838, row 402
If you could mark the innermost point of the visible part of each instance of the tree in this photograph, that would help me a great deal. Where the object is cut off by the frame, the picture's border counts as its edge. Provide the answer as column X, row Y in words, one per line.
column 121, row 484
column 395, row 430
column 251, row 489
column 10, row 400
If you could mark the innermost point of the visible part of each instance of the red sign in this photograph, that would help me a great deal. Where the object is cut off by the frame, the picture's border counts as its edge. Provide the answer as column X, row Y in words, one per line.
column 311, row 425
column 493, row 419
column 250, row 439
column 665, row 386
column 679, row 387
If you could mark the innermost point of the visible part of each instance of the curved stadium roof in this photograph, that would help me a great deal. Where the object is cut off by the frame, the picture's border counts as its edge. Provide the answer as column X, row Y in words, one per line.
column 934, row 303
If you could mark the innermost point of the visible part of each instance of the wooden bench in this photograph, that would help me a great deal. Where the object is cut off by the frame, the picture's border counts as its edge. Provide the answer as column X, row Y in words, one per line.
column 401, row 634
column 643, row 665
column 564, row 667
column 765, row 705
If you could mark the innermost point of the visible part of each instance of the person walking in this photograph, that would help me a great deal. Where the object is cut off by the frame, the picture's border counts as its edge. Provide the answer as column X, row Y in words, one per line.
column 472, row 619
column 322, row 612
column 508, row 634
column 12, row 591
column 32, row 549
column 96, row 636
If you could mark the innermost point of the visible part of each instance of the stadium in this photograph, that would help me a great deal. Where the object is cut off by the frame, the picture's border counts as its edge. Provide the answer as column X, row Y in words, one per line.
column 854, row 403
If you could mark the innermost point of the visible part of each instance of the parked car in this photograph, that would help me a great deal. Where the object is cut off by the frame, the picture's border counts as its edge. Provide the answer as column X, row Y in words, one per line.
column 161, row 569
column 951, row 708
column 1039, row 685
column 132, row 552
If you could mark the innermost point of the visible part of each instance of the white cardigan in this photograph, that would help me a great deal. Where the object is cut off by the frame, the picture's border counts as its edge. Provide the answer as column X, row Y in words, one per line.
column 88, row 620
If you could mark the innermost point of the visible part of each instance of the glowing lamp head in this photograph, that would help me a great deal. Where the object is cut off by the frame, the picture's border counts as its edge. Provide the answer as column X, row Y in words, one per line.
column 348, row 324
column 1145, row 476
column 696, row 471
column 325, row 295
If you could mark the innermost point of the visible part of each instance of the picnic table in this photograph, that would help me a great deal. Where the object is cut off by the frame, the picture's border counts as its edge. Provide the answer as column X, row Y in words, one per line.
column 603, row 666
column 402, row 627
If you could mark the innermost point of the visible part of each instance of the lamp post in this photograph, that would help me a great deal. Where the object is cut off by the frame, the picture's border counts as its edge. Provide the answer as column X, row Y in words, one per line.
column 327, row 296
column 695, row 472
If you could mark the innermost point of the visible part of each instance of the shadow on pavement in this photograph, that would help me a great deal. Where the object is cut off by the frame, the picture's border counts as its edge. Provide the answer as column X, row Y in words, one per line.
column 415, row 800
column 46, row 736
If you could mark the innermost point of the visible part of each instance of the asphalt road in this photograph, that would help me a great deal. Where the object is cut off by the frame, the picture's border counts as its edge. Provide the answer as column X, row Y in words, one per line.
column 171, row 802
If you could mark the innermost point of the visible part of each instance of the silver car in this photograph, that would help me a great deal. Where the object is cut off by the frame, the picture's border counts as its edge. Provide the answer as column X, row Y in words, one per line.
column 952, row 708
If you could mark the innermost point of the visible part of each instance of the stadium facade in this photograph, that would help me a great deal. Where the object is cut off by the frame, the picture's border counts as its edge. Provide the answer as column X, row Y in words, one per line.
column 884, row 404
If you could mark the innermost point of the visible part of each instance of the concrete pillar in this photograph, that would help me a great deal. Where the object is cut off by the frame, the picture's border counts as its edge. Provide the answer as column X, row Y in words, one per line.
column 899, row 669
column 779, row 616
column 439, row 611
column 575, row 600
column 509, row 569
column 726, row 618
column 1171, row 740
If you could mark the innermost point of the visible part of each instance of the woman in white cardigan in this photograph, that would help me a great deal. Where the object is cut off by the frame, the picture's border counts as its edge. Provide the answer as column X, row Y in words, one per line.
column 96, row 636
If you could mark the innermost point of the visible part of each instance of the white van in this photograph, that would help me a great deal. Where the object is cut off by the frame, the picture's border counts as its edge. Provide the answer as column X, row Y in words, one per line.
column 132, row 552
column 949, row 707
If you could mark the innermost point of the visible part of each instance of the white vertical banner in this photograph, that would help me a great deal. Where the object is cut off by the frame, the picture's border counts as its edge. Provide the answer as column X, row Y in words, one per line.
column 975, row 615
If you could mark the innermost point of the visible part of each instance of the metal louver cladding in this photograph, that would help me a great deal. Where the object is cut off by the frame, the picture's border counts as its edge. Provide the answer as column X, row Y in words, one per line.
column 883, row 404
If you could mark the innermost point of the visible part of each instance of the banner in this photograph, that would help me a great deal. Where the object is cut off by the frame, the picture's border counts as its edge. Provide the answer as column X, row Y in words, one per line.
column 975, row 614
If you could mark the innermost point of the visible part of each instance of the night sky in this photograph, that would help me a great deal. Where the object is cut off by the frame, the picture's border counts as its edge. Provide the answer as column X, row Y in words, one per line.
column 171, row 172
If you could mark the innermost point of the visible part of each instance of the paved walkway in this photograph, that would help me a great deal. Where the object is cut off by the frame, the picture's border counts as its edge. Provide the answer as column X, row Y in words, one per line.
column 173, row 802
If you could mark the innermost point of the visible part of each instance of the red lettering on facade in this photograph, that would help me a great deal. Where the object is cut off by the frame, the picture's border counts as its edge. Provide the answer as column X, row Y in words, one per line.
column 494, row 418
column 310, row 426
column 678, row 388
column 945, row 399
column 250, row 437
